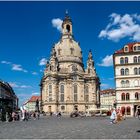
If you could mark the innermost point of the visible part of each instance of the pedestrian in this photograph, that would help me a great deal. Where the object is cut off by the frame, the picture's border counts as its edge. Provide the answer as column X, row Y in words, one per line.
column 38, row 115
column 13, row 116
column 113, row 116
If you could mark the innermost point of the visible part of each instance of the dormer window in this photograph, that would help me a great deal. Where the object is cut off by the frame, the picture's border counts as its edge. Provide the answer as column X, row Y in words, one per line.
column 72, row 50
column 59, row 51
column 126, row 49
column 136, row 48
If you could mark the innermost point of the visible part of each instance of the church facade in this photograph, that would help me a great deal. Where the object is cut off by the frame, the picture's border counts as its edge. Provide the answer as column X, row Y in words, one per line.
column 66, row 86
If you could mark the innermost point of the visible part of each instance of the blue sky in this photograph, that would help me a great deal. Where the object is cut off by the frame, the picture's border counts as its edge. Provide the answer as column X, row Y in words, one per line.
column 27, row 35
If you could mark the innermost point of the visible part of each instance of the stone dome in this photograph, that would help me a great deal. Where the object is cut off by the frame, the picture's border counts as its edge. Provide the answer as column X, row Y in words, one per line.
column 68, row 50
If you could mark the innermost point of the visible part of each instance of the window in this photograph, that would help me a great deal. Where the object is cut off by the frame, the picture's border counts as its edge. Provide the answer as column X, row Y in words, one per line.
column 75, row 93
column 139, row 70
column 135, row 59
column 126, row 60
column 86, row 98
column 136, row 83
column 122, row 71
column 127, row 96
column 121, row 60
column 62, row 107
column 128, row 110
column 126, row 49
column 75, row 88
column 50, row 88
column 50, row 98
column 86, row 89
column 59, row 51
column 68, row 28
column 127, row 83
column 136, row 96
column 135, row 71
column 134, row 48
column 72, row 50
column 138, row 48
column 126, row 71
column 123, row 110
column 139, row 59
column 122, row 83
column 62, row 88
column 123, row 96
column 75, row 97
column 61, row 97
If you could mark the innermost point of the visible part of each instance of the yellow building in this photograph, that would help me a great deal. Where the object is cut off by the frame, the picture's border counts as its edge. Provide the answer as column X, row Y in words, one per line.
column 107, row 98
column 30, row 105
column 66, row 85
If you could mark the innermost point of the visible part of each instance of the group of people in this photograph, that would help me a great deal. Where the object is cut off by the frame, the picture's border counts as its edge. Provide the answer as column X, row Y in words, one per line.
column 116, row 115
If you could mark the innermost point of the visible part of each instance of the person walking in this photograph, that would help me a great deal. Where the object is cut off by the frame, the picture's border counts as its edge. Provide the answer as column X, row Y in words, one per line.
column 113, row 116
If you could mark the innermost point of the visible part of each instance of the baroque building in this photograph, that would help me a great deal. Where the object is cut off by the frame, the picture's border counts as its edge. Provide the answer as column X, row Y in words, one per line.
column 127, row 78
column 66, row 86
column 107, row 98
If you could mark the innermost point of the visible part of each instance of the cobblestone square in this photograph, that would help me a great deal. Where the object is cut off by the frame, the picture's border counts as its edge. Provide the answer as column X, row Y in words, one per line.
column 71, row 128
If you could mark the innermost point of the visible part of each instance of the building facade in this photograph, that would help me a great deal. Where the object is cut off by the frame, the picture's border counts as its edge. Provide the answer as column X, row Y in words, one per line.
column 66, row 85
column 30, row 105
column 8, row 98
column 127, row 77
column 107, row 98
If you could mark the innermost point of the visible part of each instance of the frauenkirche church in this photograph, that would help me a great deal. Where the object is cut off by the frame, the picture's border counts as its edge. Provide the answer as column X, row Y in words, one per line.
column 66, row 86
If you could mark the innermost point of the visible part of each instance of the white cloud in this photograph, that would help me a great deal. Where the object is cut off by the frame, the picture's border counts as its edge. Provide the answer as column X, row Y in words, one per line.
column 35, row 93
column 17, row 67
column 15, row 85
column 43, row 61
column 34, row 73
column 121, row 27
column 107, row 61
column 57, row 23
column 103, row 86
column 6, row 62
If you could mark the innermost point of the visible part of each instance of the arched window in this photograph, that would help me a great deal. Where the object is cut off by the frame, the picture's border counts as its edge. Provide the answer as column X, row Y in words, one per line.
column 126, row 60
column 123, row 110
column 50, row 88
column 135, row 71
column 126, row 49
column 123, row 96
column 75, row 93
column 135, row 59
column 127, row 96
column 126, row 71
column 136, row 96
column 122, row 71
column 62, row 88
column 128, row 110
column 121, row 60
column 136, row 83
column 139, row 59
column 127, row 83
column 68, row 28
column 75, row 88
column 122, row 83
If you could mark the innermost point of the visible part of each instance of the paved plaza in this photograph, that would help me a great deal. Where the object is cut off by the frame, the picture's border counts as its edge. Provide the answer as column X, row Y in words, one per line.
column 71, row 128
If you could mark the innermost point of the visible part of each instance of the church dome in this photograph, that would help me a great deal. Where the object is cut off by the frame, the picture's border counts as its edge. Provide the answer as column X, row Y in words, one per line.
column 67, row 49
